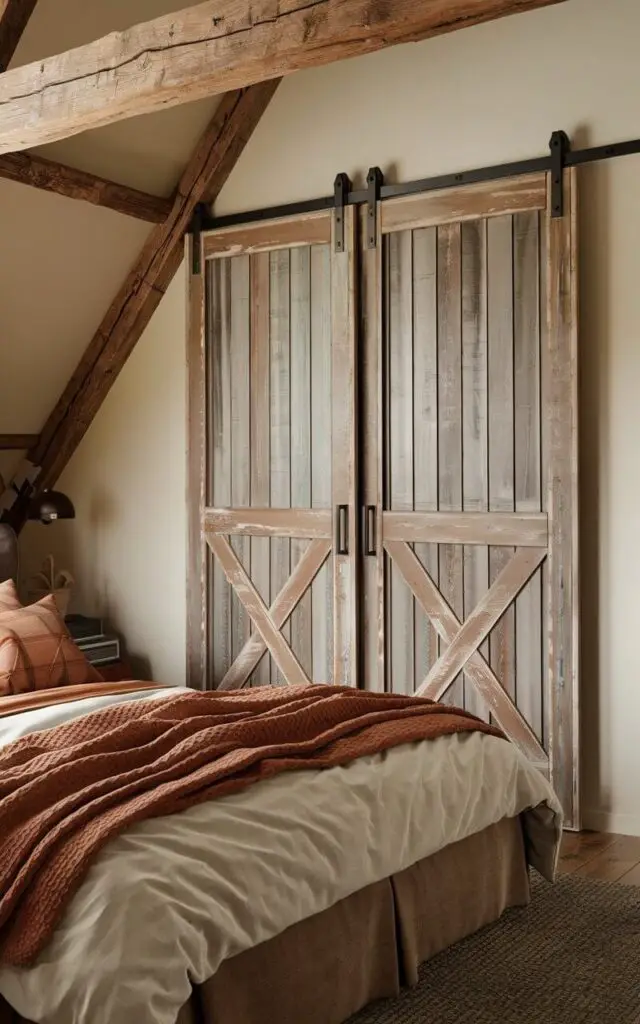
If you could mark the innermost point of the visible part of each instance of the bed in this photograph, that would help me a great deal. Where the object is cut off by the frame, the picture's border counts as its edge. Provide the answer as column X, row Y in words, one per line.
column 300, row 899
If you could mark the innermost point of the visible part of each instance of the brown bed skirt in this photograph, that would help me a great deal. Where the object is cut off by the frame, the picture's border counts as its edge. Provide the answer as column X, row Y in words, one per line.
column 324, row 969
column 368, row 945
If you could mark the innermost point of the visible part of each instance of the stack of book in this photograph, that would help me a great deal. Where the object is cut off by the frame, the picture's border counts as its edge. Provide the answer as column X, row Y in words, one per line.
column 99, row 648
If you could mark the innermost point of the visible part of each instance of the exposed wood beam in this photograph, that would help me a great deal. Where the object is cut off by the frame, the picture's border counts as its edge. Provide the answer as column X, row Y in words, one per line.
column 212, row 48
column 210, row 165
column 17, row 442
column 29, row 169
column 14, row 15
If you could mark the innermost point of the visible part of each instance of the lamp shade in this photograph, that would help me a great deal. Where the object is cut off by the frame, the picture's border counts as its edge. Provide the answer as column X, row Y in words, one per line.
column 47, row 506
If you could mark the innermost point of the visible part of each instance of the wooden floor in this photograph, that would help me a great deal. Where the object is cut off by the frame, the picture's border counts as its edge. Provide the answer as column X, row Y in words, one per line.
column 601, row 855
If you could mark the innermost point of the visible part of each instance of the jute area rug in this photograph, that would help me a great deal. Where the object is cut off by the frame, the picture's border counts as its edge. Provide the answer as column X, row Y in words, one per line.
column 572, row 957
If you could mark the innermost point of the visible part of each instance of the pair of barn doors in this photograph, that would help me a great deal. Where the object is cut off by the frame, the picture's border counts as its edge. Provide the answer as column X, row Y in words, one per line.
column 383, row 453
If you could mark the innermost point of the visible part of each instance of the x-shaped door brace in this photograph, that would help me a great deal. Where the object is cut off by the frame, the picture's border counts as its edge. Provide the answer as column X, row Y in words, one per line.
column 464, row 639
column 268, row 621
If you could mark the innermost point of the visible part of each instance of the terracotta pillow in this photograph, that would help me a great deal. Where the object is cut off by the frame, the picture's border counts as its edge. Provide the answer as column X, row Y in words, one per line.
column 9, row 599
column 36, row 651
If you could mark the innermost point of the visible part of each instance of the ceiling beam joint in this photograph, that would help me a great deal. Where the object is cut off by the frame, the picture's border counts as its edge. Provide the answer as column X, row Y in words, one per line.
column 14, row 16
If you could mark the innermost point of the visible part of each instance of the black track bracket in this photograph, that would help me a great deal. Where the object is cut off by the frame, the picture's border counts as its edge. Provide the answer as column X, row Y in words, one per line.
column 560, row 147
column 375, row 181
column 341, row 190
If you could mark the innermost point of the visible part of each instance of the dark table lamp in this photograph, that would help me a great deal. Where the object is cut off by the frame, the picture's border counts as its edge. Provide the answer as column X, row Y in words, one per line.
column 47, row 506
column 44, row 507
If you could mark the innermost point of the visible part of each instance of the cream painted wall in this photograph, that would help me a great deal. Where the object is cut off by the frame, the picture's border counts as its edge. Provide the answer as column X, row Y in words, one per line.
column 61, row 264
column 127, row 480
column 488, row 94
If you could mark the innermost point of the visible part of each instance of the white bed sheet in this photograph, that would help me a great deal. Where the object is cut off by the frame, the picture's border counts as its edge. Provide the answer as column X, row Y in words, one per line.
column 165, row 903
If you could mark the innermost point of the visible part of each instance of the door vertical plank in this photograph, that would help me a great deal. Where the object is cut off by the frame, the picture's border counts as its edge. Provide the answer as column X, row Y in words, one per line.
column 475, row 497
column 400, row 364
column 425, row 428
column 240, row 432
column 260, row 421
column 321, row 454
column 301, row 434
column 344, row 411
column 220, row 446
column 562, row 501
column 450, row 419
column 280, row 339
column 372, row 426
column 501, row 424
column 544, row 460
column 197, row 549
column 526, row 330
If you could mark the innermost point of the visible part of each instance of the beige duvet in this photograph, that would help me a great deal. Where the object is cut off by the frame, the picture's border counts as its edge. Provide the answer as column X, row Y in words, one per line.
column 167, row 902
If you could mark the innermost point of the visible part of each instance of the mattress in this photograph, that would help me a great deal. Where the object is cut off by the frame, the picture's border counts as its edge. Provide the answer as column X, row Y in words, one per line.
column 166, row 903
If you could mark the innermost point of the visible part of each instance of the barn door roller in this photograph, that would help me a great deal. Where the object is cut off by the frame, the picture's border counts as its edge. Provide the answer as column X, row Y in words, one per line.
column 375, row 179
column 560, row 147
column 341, row 189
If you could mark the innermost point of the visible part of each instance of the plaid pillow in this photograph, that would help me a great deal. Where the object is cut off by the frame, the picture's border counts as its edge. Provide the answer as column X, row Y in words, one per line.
column 9, row 599
column 36, row 651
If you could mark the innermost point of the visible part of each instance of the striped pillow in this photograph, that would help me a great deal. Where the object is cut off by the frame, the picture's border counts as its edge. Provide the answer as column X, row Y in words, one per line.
column 37, row 653
column 9, row 599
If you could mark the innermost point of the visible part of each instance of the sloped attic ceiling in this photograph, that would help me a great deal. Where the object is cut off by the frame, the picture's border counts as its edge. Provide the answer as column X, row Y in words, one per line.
column 62, row 260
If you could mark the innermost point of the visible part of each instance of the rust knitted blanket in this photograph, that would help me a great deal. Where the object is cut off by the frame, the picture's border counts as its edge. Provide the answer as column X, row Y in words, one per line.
column 66, row 791
column 17, row 703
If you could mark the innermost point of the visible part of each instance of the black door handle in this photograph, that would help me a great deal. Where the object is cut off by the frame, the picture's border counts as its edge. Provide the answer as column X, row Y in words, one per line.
column 370, row 540
column 342, row 530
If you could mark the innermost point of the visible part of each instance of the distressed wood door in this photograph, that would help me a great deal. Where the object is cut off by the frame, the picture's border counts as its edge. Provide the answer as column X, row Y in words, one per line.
column 470, row 461
column 272, row 425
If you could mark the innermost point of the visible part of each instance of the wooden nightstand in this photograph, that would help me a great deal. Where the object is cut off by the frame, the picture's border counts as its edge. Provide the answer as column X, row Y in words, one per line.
column 116, row 671
column 90, row 635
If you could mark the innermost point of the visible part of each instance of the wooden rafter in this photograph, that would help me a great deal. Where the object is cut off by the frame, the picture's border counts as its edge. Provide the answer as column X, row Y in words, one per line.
column 211, row 48
column 29, row 169
column 130, row 312
column 14, row 15
column 17, row 442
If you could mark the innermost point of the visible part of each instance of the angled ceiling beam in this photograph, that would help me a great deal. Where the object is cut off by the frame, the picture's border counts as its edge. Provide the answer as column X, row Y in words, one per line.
column 14, row 15
column 213, row 160
column 29, row 169
column 211, row 48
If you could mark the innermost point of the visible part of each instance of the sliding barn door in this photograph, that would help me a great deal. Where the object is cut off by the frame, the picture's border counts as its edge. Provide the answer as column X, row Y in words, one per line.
column 399, row 514
column 470, row 461
column 273, row 400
